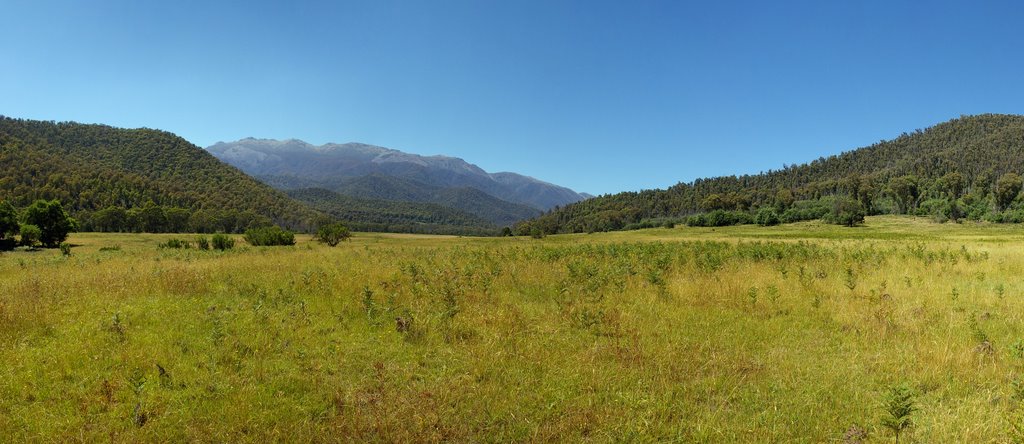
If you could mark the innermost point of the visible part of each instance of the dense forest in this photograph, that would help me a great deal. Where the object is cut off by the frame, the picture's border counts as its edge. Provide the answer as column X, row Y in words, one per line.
column 115, row 179
column 966, row 168
column 397, row 189
column 394, row 216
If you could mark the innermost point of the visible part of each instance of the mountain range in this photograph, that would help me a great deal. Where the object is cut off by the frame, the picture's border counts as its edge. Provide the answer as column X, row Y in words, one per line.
column 116, row 179
column 394, row 175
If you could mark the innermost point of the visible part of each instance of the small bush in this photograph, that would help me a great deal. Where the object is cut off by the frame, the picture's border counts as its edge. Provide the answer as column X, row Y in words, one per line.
column 202, row 242
column 30, row 235
column 222, row 242
column 332, row 234
column 65, row 248
column 268, row 236
column 899, row 406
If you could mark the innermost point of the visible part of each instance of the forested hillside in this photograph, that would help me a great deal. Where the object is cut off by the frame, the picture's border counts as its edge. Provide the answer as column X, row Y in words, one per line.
column 393, row 216
column 135, row 180
column 964, row 168
column 465, row 199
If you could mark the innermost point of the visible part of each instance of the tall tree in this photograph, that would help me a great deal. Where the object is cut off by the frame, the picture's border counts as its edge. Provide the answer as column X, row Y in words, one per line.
column 8, row 220
column 904, row 191
column 1007, row 188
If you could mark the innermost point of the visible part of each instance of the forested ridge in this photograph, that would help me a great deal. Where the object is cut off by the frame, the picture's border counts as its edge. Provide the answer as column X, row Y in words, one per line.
column 135, row 180
column 393, row 216
column 964, row 168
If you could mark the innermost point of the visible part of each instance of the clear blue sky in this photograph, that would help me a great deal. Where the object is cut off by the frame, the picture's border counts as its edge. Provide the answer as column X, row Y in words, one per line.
column 598, row 96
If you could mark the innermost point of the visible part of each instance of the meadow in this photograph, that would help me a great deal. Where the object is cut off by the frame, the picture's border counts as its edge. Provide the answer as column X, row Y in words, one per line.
column 794, row 333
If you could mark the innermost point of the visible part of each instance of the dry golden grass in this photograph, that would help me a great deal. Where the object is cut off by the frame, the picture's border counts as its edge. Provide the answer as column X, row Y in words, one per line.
column 745, row 334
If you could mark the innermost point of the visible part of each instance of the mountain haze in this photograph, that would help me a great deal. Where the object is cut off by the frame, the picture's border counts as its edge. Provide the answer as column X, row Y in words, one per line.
column 293, row 164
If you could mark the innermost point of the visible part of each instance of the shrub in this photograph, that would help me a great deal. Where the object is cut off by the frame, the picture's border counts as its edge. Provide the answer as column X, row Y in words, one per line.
column 203, row 242
column 65, row 249
column 899, row 406
column 30, row 235
column 766, row 217
column 332, row 234
column 222, row 242
column 269, row 236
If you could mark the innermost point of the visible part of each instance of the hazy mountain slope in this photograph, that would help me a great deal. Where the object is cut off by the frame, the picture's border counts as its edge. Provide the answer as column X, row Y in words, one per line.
column 89, row 167
column 328, row 165
column 392, row 216
column 470, row 200
column 979, row 149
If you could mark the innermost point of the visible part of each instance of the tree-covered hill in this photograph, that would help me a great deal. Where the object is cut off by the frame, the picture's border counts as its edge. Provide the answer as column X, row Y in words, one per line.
column 92, row 168
column 393, row 216
column 966, row 167
column 465, row 199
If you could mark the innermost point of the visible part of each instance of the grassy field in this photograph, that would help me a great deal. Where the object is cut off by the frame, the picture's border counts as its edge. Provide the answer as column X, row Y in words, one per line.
column 741, row 334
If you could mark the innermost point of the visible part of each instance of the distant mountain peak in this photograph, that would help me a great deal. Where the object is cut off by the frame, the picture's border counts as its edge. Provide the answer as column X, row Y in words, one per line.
column 333, row 163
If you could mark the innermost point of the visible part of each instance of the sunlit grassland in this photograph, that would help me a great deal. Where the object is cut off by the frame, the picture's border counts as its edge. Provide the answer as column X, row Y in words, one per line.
column 749, row 334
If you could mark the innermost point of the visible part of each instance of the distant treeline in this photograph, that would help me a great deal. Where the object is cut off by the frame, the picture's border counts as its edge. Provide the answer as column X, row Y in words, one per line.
column 394, row 216
column 158, row 219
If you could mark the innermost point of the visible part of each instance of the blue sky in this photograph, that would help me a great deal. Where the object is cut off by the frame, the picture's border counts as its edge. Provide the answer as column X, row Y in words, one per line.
column 598, row 96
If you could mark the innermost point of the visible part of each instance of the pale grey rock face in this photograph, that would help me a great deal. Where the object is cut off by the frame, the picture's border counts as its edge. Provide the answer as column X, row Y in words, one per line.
column 294, row 162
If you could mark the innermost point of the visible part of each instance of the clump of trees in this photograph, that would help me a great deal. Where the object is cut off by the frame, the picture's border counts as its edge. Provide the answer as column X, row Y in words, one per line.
column 720, row 218
column 269, row 236
column 54, row 223
column 44, row 222
column 152, row 218
column 845, row 211
column 333, row 234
